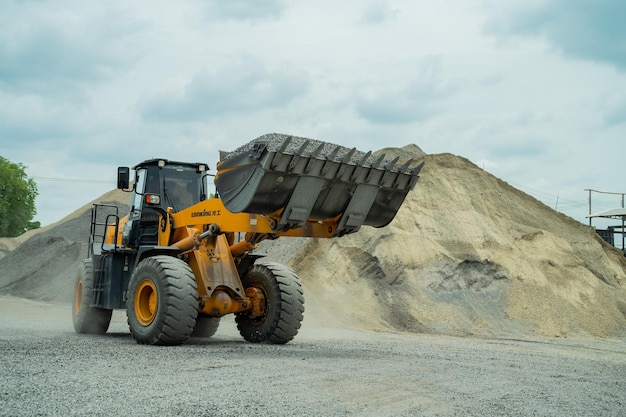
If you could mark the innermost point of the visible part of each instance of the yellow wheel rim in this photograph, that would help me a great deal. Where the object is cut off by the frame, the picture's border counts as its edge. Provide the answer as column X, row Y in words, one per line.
column 78, row 297
column 146, row 302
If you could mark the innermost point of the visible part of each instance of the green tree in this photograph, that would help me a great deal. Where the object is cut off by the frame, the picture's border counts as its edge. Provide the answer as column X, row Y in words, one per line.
column 17, row 199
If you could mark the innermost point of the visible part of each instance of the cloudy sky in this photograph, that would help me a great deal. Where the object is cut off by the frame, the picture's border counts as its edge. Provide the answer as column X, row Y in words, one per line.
column 532, row 91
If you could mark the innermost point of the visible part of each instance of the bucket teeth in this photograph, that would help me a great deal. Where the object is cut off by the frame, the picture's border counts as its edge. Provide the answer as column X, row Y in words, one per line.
column 285, row 144
column 392, row 164
column 348, row 156
column 281, row 151
column 417, row 169
column 376, row 164
column 365, row 158
column 333, row 154
column 404, row 166
column 313, row 155
column 302, row 147
column 317, row 151
column 360, row 165
column 330, row 158
column 297, row 180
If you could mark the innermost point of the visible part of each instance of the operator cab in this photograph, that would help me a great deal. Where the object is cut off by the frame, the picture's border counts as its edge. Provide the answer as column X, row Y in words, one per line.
column 159, row 184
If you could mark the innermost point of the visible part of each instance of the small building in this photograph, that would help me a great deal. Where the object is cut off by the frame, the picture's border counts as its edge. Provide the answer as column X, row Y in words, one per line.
column 609, row 233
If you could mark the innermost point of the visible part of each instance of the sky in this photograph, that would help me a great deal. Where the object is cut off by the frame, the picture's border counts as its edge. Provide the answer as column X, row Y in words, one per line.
column 532, row 91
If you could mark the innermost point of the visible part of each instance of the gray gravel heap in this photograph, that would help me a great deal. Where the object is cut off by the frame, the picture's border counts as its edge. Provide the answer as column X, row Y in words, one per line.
column 296, row 145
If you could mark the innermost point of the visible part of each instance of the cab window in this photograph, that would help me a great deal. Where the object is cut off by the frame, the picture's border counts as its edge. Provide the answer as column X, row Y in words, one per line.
column 140, row 181
column 182, row 187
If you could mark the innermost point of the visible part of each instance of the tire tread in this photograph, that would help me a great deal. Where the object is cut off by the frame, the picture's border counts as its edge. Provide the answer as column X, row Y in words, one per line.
column 287, row 319
column 178, row 301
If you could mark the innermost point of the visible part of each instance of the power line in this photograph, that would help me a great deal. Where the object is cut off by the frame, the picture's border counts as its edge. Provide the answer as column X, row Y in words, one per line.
column 72, row 180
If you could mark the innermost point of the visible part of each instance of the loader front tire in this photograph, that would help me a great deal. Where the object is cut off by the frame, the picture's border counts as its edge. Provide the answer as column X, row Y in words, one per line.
column 284, row 304
column 88, row 319
column 162, row 301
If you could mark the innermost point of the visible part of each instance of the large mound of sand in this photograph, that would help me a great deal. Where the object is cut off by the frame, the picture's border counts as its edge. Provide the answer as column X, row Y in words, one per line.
column 469, row 254
column 466, row 254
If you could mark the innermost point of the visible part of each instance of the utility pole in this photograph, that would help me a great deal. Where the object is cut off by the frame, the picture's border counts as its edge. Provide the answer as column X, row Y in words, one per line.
column 588, row 189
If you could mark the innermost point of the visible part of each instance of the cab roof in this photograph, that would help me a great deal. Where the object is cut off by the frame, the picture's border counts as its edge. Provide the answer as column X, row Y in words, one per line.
column 166, row 162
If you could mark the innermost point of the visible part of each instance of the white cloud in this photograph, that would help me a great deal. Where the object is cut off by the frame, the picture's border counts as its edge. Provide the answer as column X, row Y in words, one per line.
column 245, row 10
column 582, row 29
column 243, row 86
column 419, row 99
column 379, row 12
column 88, row 86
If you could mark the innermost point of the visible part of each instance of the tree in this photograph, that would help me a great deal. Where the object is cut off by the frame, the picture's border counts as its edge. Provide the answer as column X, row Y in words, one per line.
column 17, row 199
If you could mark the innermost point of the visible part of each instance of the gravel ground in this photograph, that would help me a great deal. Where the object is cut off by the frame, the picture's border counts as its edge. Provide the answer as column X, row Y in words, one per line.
column 47, row 370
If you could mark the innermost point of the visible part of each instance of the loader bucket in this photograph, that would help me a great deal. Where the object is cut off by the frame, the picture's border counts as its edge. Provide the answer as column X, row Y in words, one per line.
column 310, row 180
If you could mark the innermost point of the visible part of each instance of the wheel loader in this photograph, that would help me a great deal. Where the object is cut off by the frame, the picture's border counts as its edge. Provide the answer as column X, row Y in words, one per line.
column 182, row 258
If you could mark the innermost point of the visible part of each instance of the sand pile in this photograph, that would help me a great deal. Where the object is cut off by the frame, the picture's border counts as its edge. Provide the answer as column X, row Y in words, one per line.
column 466, row 254
column 469, row 254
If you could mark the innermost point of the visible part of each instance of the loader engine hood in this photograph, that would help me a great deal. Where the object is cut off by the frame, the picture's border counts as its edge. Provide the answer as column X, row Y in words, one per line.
column 309, row 180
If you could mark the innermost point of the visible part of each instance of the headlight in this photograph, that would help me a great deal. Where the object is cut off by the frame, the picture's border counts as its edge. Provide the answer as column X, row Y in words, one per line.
column 153, row 199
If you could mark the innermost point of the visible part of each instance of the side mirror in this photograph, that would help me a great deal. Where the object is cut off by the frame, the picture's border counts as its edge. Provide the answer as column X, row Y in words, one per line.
column 123, row 178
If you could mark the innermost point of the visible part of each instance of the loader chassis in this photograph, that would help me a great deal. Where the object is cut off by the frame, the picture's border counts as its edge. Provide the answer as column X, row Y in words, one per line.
column 174, row 262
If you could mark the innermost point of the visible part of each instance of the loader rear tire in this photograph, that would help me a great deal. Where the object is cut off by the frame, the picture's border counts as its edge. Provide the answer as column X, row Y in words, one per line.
column 88, row 319
column 284, row 305
column 205, row 326
column 162, row 301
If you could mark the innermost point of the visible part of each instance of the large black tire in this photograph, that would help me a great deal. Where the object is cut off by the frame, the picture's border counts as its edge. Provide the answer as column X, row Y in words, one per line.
column 205, row 326
column 88, row 319
column 284, row 306
column 162, row 301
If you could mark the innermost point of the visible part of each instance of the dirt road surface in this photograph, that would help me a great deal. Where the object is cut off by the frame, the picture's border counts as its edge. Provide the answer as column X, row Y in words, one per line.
column 47, row 370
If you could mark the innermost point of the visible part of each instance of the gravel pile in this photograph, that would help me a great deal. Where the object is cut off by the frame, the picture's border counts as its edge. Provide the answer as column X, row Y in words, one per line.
column 45, row 265
column 295, row 145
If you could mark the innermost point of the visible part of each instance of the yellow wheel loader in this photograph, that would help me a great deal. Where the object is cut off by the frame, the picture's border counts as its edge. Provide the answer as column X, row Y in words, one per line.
column 181, row 259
